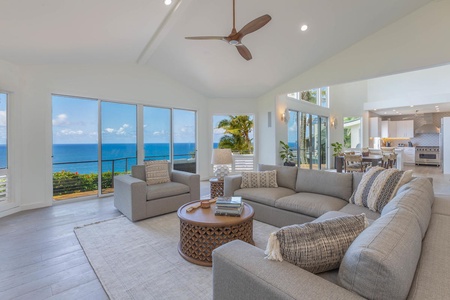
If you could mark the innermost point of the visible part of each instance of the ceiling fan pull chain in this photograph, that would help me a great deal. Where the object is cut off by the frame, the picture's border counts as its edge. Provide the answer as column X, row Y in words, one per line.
column 234, row 16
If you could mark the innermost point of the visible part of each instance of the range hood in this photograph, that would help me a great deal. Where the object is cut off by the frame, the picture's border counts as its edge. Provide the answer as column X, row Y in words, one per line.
column 428, row 127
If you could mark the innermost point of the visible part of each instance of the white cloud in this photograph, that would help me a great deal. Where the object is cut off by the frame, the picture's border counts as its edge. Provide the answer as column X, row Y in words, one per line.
column 71, row 132
column 2, row 118
column 110, row 130
column 219, row 131
column 61, row 119
column 125, row 126
column 158, row 133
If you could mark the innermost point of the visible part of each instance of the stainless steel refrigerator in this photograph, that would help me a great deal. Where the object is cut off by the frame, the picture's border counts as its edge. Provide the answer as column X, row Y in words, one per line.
column 444, row 144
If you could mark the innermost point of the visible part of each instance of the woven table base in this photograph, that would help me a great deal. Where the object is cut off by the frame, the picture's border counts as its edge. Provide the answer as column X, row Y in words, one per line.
column 198, row 242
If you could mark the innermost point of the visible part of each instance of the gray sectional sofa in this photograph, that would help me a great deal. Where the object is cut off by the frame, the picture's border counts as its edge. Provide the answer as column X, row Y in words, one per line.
column 402, row 254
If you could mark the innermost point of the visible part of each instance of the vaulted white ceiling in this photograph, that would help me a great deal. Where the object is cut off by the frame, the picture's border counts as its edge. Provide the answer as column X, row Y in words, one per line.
column 150, row 33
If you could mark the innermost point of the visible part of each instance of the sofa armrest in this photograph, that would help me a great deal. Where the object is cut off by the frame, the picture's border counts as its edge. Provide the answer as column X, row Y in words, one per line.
column 241, row 272
column 130, row 196
column 189, row 179
column 231, row 184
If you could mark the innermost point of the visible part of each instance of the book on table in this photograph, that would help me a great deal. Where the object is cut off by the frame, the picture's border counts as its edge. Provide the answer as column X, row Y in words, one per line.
column 229, row 211
column 229, row 201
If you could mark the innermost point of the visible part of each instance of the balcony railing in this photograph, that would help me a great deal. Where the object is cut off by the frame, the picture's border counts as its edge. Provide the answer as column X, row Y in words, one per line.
column 72, row 184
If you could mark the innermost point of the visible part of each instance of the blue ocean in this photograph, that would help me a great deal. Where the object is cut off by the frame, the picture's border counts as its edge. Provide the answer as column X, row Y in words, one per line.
column 83, row 158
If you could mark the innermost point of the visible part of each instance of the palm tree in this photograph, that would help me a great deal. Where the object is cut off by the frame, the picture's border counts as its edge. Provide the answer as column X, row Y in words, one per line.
column 237, row 134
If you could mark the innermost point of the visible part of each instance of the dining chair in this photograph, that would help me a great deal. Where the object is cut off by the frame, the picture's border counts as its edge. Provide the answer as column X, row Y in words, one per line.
column 353, row 163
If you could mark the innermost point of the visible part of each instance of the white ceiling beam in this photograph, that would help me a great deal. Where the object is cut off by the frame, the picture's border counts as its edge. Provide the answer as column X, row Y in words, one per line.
column 163, row 29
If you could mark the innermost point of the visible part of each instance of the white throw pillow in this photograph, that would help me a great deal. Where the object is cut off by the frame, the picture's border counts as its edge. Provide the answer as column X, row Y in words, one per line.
column 260, row 179
column 156, row 171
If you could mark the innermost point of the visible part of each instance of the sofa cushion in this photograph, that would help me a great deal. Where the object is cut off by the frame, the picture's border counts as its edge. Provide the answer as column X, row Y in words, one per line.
column 310, row 204
column 377, row 187
column 353, row 209
column 381, row 261
column 417, row 199
column 286, row 176
column 317, row 246
column 156, row 171
column 267, row 179
column 357, row 176
column 266, row 196
column 431, row 279
column 326, row 183
column 168, row 189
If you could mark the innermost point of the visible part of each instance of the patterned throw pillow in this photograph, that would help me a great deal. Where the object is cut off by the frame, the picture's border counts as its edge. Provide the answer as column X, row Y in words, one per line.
column 156, row 171
column 259, row 179
column 378, row 186
column 317, row 246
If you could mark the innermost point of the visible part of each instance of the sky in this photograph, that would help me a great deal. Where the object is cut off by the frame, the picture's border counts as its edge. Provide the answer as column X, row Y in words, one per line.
column 75, row 121
column 3, row 128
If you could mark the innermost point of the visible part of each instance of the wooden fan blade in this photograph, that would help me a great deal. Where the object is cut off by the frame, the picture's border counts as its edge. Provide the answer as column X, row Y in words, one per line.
column 244, row 52
column 254, row 25
column 221, row 38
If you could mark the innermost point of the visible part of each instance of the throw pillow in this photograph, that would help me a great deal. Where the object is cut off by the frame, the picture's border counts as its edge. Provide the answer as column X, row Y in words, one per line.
column 259, row 179
column 317, row 246
column 156, row 171
column 378, row 186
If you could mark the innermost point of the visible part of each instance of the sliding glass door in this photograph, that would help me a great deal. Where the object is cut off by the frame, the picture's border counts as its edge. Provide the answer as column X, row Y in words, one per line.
column 118, row 142
column 5, row 200
column 184, row 137
column 311, row 141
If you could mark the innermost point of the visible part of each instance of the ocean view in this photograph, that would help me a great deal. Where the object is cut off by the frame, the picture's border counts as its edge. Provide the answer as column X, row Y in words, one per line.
column 82, row 158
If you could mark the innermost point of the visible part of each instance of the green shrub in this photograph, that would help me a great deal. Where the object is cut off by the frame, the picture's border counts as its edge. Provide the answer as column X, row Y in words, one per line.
column 66, row 182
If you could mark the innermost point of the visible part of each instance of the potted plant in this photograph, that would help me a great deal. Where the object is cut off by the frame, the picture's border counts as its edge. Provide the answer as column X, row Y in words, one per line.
column 286, row 154
column 337, row 151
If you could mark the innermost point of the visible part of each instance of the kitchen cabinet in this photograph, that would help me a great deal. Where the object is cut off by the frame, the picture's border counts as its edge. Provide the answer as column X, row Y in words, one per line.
column 388, row 129
column 409, row 155
column 397, row 129
column 405, row 128
column 375, row 127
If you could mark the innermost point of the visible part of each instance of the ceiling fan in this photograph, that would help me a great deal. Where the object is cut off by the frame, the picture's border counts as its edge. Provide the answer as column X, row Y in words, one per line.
column 235, row 37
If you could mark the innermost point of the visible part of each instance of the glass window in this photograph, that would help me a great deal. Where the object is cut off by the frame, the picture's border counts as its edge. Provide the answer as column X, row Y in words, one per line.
column 310, row 133
column 3, row 149
column 352, row 132
column 317, row 96
column 75, row 147
column 157, row 133
column 118, row 145
column 184, row 140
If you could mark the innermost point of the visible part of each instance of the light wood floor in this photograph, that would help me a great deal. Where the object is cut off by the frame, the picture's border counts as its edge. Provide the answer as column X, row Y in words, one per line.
column 40, row 257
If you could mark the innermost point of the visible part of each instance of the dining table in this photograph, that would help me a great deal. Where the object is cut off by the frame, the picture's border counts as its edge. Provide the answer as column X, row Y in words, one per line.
column 372, row 158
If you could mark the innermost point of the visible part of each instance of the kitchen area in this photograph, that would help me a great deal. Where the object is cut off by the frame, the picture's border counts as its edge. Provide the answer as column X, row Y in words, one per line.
column 422, row 139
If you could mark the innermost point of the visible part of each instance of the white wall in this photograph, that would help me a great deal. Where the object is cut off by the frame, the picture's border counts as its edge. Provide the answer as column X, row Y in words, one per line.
column 427, row 86
column 412, row 43
column 123, row 83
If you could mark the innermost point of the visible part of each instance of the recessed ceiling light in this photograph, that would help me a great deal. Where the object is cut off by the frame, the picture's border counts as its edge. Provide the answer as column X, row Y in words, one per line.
column 304, row 27
column 385, row 112
column 167, row 2
column 412, row 105
column 375, row 109
column 393, row 110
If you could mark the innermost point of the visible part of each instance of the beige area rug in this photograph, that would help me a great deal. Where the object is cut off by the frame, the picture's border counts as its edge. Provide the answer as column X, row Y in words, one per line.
column 140, row 260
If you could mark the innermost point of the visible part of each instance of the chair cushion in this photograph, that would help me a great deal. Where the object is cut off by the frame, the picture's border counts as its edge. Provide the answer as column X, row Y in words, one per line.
column 381, row 261
column 325, row 183
column 266, row 196
column 267, row 179
column 317, row 246
column 310, row 204
column 156, row 171
column 286, row 176
column 378, row 186
column 168, row 189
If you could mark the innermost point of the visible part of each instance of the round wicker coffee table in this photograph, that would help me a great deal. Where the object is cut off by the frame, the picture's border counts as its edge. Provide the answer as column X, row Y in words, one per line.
column 201, row 231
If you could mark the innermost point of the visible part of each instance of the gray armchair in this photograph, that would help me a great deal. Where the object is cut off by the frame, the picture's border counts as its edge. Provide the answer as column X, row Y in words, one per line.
column 137, row 200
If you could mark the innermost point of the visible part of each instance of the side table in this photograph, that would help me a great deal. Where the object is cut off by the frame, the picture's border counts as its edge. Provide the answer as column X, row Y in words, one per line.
column 216, row 187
